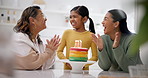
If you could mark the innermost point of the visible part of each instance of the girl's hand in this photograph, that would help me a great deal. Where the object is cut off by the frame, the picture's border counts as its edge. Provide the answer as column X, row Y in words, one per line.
column 68, row 65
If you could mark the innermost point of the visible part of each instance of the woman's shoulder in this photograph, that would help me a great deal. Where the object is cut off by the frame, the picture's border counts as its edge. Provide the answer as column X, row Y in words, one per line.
column 21, row 43
column 105, row 36
column 130, row 36
column 18, row 36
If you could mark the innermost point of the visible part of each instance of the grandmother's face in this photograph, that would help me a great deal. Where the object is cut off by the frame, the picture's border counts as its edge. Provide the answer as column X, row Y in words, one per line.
column 40, row 21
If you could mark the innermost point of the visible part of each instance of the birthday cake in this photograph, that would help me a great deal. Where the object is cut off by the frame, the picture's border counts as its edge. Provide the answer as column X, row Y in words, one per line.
column 77, row 53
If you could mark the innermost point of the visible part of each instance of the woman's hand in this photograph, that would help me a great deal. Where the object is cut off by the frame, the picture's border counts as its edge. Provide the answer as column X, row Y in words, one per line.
column 117, row 39
column 53, row 43
column 98, row 41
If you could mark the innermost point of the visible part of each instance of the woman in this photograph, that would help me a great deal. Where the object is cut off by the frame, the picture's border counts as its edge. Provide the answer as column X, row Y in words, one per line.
column 30, row 52
column 114, row 46
column 78, row 17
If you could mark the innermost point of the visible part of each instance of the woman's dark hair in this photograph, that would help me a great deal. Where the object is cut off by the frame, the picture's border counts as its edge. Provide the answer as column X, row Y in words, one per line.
column 119, row 15
column 83, row 11
column 23, row 22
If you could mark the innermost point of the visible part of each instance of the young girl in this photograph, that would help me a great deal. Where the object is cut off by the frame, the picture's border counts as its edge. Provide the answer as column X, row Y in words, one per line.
column 78, row 17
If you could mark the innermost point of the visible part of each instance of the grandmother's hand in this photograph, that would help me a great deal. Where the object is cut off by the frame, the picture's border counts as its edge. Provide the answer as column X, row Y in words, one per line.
column 53, row 43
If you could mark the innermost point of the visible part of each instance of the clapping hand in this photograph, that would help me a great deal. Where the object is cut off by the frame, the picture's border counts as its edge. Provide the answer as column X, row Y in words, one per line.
column 53, row 43
column 117, row 39
column 98, row 41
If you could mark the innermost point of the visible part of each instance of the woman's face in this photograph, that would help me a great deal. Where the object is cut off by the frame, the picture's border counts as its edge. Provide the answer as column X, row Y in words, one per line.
column 40, row 21
column 108, row 24
column 76, row 20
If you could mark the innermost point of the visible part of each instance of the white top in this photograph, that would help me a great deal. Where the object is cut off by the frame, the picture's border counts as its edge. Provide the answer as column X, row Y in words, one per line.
column 22, row 46
column 56, row 73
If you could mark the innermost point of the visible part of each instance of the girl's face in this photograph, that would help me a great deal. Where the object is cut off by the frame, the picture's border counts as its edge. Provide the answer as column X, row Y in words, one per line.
column 108, row 24
column 40, row 21
column 76, row 20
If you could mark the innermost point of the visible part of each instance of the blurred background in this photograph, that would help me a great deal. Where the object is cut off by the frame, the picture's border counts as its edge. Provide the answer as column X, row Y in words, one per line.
column 57, row 14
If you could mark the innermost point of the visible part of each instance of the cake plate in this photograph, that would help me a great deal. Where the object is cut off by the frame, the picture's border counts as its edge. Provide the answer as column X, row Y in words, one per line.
column 77, row 66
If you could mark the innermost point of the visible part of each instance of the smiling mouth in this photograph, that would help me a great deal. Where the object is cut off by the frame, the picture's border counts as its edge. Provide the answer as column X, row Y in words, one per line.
column 73, row 24
column 104, row 28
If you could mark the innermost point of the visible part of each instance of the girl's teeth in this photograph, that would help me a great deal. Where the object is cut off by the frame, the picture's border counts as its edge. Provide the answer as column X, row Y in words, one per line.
column 73, row 23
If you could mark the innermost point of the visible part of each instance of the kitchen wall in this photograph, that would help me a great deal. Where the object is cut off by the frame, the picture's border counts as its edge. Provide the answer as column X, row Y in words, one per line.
column 57, row 12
